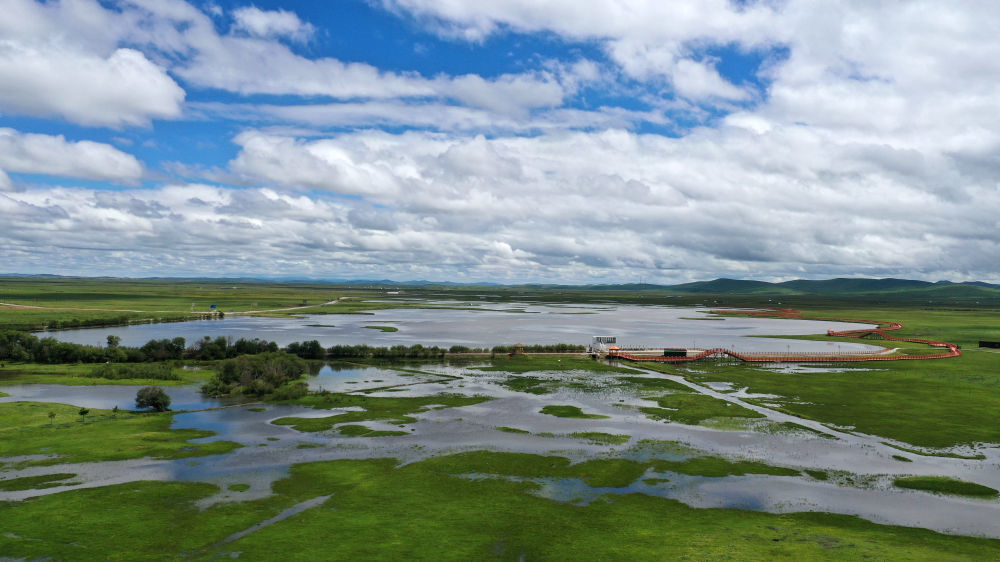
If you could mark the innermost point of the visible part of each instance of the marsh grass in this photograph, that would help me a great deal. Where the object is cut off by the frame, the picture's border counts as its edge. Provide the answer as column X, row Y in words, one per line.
column 944, row 485
column 570, row 412
column 372, row 509
column 36, row 482
column 396, row 410
column 600, row 438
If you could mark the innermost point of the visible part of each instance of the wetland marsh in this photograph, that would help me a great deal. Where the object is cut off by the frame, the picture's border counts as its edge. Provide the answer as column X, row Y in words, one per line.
column 482, row 445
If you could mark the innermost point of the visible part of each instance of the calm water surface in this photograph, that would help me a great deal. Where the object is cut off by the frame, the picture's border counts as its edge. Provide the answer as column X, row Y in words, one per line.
column 490, row 325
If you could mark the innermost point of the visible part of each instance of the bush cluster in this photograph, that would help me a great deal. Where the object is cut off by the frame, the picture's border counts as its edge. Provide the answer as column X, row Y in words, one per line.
column 272, row 373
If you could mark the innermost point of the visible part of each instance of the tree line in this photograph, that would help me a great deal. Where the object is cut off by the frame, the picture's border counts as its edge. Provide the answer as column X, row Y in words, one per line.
column 26, row 347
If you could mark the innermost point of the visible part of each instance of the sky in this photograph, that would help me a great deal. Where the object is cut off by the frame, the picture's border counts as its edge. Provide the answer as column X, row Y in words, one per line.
column 507, row 141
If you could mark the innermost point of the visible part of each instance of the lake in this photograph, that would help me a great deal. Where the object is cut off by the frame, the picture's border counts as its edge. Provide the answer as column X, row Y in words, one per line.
column 487, row 325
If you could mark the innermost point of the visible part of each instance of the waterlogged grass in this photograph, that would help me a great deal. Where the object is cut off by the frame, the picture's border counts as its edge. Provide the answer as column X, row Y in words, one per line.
column 376, row 408
column 238, row 487
column 602, row 438
column 36, row 482
column 718, row 467
column 944, row 485
column 528, row 363
column 693, row 409
column 511, row 429
column 532, row 385
column 570, row 412
column 365, row 431
column 27, row 429
column 372, row 509
column 650, row 384
column 946, row 454
column 600, row 473
column 383, row 328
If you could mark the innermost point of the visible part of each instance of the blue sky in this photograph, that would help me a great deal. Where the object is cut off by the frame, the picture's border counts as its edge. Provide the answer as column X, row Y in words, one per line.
column 504, row 140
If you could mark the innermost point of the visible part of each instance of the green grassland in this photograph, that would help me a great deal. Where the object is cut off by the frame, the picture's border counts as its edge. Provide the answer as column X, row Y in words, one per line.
column 934, row 403
column 77, row 374
column 107, row 302
column 27, row 429
column 379, row 511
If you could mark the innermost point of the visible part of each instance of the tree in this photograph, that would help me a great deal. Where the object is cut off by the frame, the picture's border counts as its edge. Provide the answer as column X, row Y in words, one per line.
column 52, row 417
column 152, row 397
column 113, row 341
column 83, row 414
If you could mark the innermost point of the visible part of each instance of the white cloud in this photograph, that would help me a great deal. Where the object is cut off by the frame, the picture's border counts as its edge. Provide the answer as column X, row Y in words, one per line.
column 272, row 23
column 871, row 148
column 124, row 88
column 65, row 60
column 717, row 200
column 54, row 155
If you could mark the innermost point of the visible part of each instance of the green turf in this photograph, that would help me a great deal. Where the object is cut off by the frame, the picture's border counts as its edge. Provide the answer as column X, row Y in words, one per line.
column 570, row 412
column 944, row 485
column 26, row 429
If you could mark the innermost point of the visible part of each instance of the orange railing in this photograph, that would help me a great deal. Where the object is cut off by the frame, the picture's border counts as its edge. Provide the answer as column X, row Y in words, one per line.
column 800, row 357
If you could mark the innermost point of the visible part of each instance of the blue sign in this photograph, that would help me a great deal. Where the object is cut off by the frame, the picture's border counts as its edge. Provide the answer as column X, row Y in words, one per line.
column 212, row 307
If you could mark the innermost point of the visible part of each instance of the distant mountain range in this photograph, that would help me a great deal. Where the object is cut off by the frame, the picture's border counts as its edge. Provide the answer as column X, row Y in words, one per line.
column 839, row 286
column 722, row 286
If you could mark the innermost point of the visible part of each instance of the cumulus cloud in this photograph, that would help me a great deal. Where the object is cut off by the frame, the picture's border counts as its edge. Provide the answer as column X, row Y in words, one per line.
column 865, row 143
column 63, row 60
column 271, row 23
column 726, row 199
column 124, row 88
column 54, row 155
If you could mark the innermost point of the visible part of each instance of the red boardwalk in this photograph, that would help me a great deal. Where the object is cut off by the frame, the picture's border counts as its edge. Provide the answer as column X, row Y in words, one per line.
column 874, row 333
